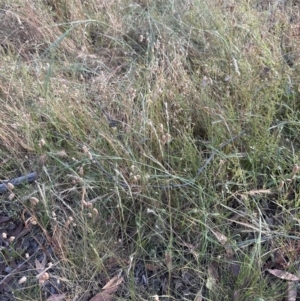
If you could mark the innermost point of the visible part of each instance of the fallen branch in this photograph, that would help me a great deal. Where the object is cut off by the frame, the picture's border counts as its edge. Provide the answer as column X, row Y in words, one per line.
column 18, row 181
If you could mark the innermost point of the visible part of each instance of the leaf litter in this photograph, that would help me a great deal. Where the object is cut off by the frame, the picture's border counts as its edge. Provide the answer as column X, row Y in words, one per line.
column 108, row 289
column 283, row 275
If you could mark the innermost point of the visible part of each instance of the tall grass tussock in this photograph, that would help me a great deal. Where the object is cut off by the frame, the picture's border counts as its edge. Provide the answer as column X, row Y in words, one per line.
column 155, row 150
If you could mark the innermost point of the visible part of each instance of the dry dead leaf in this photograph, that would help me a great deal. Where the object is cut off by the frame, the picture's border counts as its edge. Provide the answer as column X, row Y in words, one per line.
column 18, row 230
column 102, row 297
column 168, row 259
column 259, row 191
column 234, row 266
column 279, row 260
column 283, row 275
column 212, row 278
column 292, row 291
column 220, row 237
column 40, row 266
column 191, row 248
column 151, row 267
column 229, row 252
column 4, row 219
column 62, row 153
column 224, row 242
column 110, row 287
column 112, row 283
column 57, row 297
column 236, row 295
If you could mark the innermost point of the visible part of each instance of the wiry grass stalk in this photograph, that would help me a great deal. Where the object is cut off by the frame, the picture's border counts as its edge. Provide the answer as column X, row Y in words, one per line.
column 164, row 137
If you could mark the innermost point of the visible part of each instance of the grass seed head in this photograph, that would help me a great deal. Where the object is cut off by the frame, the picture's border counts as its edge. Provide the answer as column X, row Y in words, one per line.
column 33, row 221
column 141, row 38
column 136, row 178
column 11, row 196
column 42, row 142
column 34, row 201
column 22, row 280
column 89, row 205
column 69, row 221
column 81, row 172
column 12, row 238
column 90, row 156
column 95, row 212
column 166, row 138
column 10, row 186
column 43, row 278
column 85, row 149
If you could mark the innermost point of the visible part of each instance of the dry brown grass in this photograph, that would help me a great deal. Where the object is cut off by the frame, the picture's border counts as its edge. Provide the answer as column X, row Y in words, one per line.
column 117, row 105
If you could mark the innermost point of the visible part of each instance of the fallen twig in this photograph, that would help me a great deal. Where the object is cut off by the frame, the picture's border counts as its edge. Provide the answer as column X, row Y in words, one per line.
column 18, row 181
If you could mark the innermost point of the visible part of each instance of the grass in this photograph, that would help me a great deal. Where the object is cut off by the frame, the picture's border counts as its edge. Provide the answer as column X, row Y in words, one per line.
column 165, row 135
